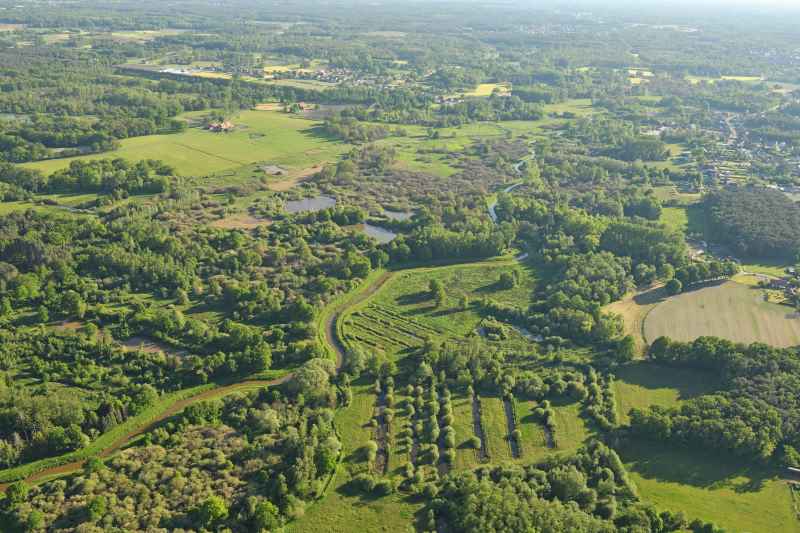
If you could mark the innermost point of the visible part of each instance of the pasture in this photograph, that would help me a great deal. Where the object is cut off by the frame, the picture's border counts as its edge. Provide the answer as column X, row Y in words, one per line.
column 642, row 384
column 260, row 136
column 729, row 310
column 711, row 487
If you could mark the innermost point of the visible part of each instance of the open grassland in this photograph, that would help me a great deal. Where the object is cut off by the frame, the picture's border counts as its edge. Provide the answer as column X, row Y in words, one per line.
column 672, row 194
column 768, row 267
column 571, row 432
column 688, row 219
column 260, row 136
column 694, row 80
column 676, row 218
column 404, row 308
column 729, row 310
column 711, row 488
column 642, row 384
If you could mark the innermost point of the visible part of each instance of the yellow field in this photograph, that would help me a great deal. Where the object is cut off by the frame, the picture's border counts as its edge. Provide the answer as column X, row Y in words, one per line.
column 730, row 310
column 486, row 89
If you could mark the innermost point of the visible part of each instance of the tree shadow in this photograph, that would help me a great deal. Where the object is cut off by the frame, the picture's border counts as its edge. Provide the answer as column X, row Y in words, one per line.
column 651, row 296
column 319, row 132
column 414, row 298
column 490, row 288
column 689, row 383
column 697, row 468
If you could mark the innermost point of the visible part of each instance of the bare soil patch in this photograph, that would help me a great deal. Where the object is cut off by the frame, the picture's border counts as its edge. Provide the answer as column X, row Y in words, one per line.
column 151, row 346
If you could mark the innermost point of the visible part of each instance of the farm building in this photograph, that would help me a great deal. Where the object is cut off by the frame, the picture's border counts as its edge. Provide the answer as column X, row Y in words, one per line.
column 221, row 127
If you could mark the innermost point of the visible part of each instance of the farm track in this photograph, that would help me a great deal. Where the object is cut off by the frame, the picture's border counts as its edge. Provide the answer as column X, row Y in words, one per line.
column 217, row 392
column 173, row 409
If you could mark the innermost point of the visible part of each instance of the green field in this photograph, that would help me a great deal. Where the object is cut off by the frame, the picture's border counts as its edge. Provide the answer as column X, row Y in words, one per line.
column 640, row 385
column 676, row 218
column 466, row 456
column 775, row 267
column 730, row 310
column 269, row 136
column 403, row 305
column 495, row 427
column 571, row 430
column 711, row 488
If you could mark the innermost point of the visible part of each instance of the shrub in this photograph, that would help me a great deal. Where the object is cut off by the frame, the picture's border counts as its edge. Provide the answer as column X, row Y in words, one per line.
column 384, row 487
column 371, row 450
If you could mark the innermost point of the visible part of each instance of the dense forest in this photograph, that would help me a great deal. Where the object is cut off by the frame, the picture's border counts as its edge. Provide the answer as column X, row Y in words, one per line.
column 757, row 222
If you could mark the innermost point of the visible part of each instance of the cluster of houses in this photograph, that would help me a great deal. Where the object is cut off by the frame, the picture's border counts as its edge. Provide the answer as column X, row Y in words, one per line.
column 789, row 283
column 333, row 75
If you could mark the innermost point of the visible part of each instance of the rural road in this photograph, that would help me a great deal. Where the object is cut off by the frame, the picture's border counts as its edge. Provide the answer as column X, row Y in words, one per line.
column 217, row 392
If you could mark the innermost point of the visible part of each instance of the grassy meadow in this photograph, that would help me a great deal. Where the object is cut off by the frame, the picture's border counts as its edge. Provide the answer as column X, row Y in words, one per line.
column 642, row 384
column 711, row 487
column 572, row 430
column 260, row 136
column 729, row 310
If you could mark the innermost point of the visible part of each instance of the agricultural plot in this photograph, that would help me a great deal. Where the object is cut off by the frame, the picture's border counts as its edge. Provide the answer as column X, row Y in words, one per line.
column 729, row 310
column 487, row 89
column 345, row 509
column 402, row 315
column 260, row 136
column 715, row 489
column 633, row 309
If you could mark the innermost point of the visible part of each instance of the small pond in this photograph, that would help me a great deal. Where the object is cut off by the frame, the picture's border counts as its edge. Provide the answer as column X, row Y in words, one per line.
column 318, row 203
column 397, row 215
column 382, row 235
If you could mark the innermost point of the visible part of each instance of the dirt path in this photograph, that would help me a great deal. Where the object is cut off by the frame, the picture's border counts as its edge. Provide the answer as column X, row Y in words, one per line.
column 331, row 334
column 173, row 409
column 217, row 392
